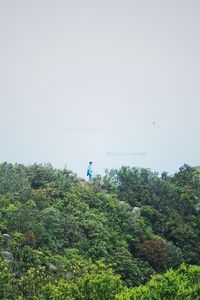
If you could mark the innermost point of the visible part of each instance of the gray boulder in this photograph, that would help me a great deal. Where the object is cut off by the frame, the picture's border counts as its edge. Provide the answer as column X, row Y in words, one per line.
column 136, row 212
column 51, row 267
column 71, row 175
column 6, row 254
column 7, row 238
column 122, row 202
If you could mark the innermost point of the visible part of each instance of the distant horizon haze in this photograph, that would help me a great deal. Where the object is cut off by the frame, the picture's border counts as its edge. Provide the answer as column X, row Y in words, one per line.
column 79, row 79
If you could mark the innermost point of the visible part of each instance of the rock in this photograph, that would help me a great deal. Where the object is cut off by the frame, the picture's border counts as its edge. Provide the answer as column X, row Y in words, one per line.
column 51, row 267
column 7, row 238
column 6, row 254
column 83, row 182
column 122, row 202
column 136, row 212
column 71, row 175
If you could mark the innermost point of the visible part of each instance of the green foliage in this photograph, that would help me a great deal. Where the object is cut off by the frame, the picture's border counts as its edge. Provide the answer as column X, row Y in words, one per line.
column 174, row 255
column 40, row 175
column 98, row 287
column 14, row 181
column 61, row 239
column 153, row 251
column 173, row 285
column 6, row 280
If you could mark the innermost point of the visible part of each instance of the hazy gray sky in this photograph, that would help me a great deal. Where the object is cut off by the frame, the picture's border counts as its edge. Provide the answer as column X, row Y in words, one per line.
column 82, row 79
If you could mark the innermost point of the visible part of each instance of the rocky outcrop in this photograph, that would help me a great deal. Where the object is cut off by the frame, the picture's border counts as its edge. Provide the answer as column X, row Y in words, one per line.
column 71, row 175
column 7, row 238
column 136, row 212
column 83, row 182
column 6, row 254
column 51, row 267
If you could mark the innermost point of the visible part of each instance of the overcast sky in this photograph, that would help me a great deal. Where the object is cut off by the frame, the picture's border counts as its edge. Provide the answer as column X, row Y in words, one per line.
column 112, row 81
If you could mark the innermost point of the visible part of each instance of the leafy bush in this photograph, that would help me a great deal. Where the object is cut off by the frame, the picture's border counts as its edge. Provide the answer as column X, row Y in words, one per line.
column 62, row 239
column 183, row 283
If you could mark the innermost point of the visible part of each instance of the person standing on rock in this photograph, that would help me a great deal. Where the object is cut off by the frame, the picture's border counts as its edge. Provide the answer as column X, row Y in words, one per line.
column 89, row 171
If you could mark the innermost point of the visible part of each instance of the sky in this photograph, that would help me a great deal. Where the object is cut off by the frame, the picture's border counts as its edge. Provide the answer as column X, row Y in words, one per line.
column 116, row 82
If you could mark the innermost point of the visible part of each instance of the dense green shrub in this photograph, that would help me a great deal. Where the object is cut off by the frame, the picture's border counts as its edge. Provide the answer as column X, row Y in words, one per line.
column 173, row 285
column 61, row 238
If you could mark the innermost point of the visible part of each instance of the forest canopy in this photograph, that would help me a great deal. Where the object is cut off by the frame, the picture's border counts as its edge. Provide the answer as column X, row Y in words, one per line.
column 130, row 234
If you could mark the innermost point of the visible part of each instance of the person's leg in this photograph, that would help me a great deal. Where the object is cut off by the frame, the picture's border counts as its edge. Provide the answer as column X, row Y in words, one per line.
column 90, row 177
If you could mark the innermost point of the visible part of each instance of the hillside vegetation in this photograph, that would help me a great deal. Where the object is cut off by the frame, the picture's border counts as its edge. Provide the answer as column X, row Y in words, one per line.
column 131, row 234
